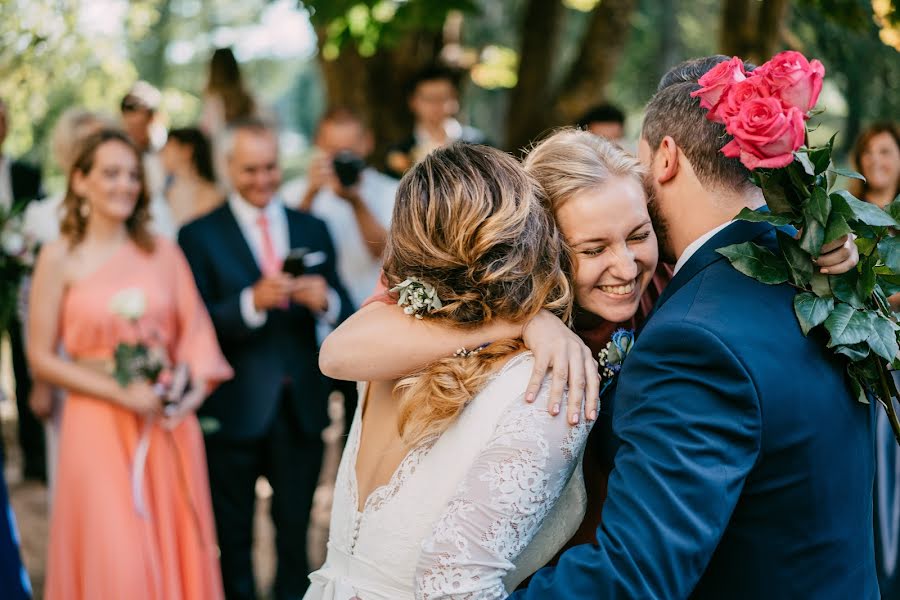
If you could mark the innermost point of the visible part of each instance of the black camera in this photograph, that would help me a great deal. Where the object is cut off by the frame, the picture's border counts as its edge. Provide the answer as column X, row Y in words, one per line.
column 347, row 167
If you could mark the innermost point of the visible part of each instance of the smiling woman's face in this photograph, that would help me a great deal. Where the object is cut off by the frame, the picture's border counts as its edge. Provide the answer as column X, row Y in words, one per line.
column 609, row 230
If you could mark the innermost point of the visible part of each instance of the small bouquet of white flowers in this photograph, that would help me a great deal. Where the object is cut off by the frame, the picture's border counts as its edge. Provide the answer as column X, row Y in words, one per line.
column 140, row 359
column 17, row 253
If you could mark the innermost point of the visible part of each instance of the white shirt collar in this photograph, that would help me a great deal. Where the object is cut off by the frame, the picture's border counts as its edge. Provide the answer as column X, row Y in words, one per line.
column 247, row 214
column 697, row 244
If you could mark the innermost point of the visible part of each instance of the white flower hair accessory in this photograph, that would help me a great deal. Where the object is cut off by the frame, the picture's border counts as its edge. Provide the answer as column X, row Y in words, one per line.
column 417, row 297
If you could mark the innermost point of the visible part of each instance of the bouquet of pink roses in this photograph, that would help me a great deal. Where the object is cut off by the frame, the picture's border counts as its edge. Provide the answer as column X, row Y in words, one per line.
column 765, row 111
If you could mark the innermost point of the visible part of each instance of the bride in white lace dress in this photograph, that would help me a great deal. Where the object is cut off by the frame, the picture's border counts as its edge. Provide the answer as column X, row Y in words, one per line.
column 451, row 485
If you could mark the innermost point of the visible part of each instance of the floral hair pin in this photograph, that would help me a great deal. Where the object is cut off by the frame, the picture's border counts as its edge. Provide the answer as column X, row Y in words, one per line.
column 612, row 357
column 417, row 297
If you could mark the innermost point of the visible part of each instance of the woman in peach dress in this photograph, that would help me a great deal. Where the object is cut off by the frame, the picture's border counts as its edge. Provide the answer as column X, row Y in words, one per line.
column 132, row 516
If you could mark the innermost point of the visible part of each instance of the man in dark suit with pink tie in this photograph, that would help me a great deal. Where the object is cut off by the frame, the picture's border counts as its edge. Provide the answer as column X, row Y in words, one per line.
column 267, row 421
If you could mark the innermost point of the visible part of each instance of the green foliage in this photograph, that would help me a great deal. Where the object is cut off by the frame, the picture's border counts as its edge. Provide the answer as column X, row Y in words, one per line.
column 369, row 24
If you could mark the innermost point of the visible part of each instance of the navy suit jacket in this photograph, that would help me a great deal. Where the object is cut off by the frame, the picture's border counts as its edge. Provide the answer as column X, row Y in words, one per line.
column 745, row 468
column 284, row 348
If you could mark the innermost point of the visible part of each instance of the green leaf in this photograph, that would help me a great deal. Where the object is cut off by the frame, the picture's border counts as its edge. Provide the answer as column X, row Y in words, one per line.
column 890, row 284
column 754, row 216
column 756, row 262
column 799, row 262
column 811, row 310
column 866, row 270
column 889, row 249
column 776, row 198
column 819, row 206
column 859, row 391
column 893, row 209
column 813, row 238
column 845, row 287
column 865, row 245
column 837, row 227
column 803, row 159
column 848, row 326
column 883, row 340
column 855, row 352
column 830, row 177
column 849, row 173
column 856, row 210
column 820, row 284
column 821, row 157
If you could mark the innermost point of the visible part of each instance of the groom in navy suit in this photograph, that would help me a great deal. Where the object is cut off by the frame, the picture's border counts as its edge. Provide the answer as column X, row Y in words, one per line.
column 268, row 420
column 745, row 468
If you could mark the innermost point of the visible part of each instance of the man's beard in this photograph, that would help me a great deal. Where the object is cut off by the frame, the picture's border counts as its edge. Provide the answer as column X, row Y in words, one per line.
column 660, row 225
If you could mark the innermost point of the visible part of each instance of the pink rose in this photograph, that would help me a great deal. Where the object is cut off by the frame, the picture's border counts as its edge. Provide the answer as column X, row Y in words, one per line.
column 766, row 134
column 739, row 93
column 715, row 82
column 794, row 79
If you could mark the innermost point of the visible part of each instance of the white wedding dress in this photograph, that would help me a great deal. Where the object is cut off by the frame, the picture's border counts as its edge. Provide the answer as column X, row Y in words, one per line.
column 466, row 516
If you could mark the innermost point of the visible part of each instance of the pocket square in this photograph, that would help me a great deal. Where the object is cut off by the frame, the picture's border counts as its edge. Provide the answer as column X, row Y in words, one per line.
column 314, row 259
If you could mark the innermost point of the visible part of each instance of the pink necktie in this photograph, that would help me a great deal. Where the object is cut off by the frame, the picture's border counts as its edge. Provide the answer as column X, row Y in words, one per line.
column 270, row 263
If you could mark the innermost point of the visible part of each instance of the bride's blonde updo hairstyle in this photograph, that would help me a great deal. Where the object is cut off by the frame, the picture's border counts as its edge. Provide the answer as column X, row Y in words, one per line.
column 469, row 221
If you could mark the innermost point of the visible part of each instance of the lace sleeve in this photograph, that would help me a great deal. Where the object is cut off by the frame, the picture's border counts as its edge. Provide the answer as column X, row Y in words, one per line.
column 500, row 505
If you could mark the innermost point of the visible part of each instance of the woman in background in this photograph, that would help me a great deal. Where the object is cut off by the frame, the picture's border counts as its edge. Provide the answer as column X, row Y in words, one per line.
column 876, row 155
column 225, row 98
column 113, row 532
column 187, row 159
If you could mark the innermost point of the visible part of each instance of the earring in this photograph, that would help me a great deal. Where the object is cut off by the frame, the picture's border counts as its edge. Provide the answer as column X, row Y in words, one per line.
column 84, row 209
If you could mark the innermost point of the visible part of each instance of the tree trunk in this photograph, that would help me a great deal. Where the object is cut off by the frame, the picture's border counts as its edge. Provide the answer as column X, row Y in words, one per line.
column 531, row 97
column 670, row 41
column 604, row 40
column 375, row 86
column 751, row 29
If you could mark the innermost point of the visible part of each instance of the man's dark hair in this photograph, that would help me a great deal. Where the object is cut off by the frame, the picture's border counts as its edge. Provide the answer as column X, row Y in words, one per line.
column 434, row 72
column 673, row 112
column 201, row 150
column 341, row 115
column 602, row 113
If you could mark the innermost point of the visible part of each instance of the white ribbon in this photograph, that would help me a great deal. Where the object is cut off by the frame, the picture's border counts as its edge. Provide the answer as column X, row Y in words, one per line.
column 138, row 465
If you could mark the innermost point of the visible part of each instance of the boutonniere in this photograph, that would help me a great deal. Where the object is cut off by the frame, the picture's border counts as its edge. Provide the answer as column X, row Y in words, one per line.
column 417, row 297
column 613, row 355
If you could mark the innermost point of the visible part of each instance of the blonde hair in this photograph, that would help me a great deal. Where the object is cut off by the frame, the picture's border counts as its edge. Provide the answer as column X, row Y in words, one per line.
column 469, row 221
column 571, row 160
column 72, row 127
column 74, row 221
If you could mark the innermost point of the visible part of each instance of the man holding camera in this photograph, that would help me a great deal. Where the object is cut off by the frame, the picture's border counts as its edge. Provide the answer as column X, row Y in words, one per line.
column 354, row 200
column 267, row 275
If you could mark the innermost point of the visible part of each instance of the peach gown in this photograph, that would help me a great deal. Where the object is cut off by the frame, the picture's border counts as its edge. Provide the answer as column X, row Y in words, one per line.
column 101, row 548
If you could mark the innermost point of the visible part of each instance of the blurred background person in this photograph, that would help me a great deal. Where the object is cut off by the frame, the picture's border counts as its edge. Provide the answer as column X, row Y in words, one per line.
column 139, row 108
column 20, row 184
column 433, row 100
column 42, row 220
column 264, row 301
column 876, row 155
column 102, row 544
column 353, row 199
column 226, row 100
column 191, row 189
column 605, row 120
column 356, row 202
column 225, row 97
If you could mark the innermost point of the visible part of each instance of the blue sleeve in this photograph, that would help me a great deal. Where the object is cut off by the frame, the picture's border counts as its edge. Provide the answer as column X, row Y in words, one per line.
column 687, row 415
column 225, row 312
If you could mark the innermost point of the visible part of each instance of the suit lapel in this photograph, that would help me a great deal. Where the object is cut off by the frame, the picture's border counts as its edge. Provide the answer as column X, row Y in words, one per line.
column 736, row 233
column 234, row 238
column 295, row 236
